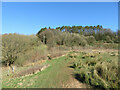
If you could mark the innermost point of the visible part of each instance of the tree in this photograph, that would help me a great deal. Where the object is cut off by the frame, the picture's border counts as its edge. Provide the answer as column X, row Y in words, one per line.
column 13, row 45
column 46, row 36
column 57, row 27
column 42, row 29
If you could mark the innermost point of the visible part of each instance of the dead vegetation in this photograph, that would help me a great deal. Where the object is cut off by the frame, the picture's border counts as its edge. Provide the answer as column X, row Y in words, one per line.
column 100, row 71
column 32, row 70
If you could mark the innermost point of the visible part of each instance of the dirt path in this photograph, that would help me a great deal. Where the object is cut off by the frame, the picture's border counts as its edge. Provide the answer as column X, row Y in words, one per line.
column 72, row 82
column 58, row 75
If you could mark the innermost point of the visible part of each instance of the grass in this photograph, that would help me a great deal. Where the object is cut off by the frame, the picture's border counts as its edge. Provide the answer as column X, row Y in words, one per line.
column 100, row 71
column 52, row 77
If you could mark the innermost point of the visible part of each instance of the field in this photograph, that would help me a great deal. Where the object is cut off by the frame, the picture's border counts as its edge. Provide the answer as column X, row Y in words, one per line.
column 60, row 59
column 76, row 69
column 53, row 76
column 60, row 45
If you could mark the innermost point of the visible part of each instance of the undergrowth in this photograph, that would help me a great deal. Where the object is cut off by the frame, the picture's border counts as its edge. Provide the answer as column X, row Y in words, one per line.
column 100, row 71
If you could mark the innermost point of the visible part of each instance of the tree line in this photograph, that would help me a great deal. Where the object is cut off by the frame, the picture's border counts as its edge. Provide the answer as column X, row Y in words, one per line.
column 22, row 48
column 77, row 35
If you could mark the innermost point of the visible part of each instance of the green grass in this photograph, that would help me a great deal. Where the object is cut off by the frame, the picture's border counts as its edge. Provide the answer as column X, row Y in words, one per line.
column 100, row 71
column 52, row 77
column 88, row 70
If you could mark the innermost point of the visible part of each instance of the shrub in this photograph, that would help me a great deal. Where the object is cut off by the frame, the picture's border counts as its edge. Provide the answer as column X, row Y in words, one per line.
column 33, row 55
column 14, row 44
column 115, row 39
column 108, row 39
column 67, row 39
column 90, row 39
column 98, row 72
column 56, row 37
column 110, row 46
column 46, row 36
column 83, row 42
column 77, row 40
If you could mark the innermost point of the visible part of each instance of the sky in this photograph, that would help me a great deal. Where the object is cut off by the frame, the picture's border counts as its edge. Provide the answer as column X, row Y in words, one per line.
column 29, row 17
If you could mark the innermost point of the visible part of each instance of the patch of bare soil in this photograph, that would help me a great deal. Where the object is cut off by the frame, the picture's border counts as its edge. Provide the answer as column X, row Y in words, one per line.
column 72, row 82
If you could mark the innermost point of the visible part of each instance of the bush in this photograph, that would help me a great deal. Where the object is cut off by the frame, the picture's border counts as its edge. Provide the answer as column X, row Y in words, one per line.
column 14, row 44
column 108, row 39
column 37, row 53
column 83, row 42
column 110, row 46
column 90, row 39
column 75, row 40
column 56, row 37
column 99, row 72
column 115, row 39
column 67, row 39
column 46, row 36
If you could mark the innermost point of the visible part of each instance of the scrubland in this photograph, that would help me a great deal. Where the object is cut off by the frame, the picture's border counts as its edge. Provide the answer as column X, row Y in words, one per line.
column 88, row 56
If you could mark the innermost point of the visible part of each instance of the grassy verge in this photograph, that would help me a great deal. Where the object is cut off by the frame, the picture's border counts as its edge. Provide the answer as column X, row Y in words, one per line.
column 99, row 70
column 52, row 77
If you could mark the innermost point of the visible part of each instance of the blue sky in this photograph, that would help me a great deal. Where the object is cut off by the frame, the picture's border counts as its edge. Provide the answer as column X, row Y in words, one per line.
column 29, row 17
